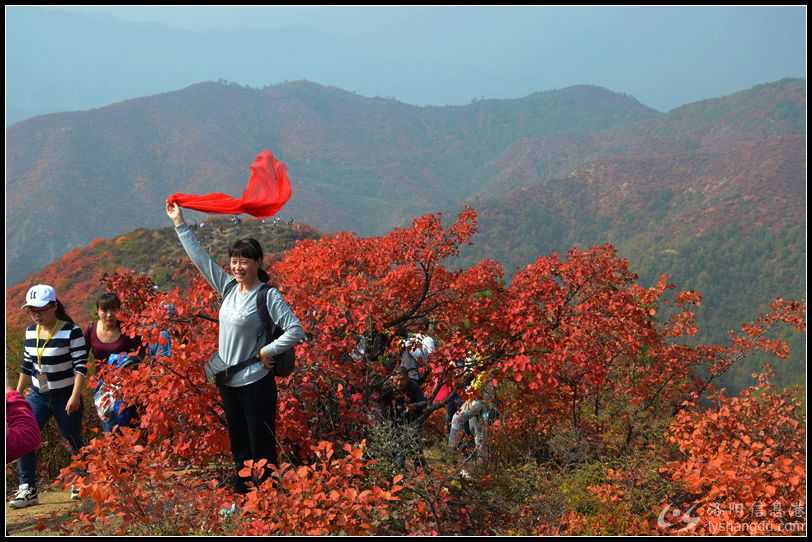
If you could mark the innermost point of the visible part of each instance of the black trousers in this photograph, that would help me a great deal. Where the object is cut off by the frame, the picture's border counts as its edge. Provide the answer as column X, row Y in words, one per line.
column 251, row 418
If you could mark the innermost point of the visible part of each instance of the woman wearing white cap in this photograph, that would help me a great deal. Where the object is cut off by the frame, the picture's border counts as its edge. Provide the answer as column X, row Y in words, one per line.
column 55, row 362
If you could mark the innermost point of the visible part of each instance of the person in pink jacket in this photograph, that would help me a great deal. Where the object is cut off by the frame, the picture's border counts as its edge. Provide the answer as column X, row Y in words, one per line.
column 22, row 431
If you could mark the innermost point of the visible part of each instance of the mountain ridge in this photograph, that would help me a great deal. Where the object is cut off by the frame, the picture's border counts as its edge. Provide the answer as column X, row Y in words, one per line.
column 353, row 167
column 728, row 223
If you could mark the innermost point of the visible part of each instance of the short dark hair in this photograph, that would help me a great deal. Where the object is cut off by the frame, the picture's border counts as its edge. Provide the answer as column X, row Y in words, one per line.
column 251, row 249
column 108, row 301
column 246, row 248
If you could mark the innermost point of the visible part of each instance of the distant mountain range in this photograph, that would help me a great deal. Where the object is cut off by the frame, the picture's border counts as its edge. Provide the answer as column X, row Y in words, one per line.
column 712, row 192
column 356, row 163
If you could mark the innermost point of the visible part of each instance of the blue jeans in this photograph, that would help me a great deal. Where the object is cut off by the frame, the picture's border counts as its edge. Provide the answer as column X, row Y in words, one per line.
column 44, row 406
column 121, row 419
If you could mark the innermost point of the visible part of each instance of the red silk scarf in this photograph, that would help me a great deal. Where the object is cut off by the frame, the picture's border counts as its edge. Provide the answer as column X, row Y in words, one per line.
column 267, row 191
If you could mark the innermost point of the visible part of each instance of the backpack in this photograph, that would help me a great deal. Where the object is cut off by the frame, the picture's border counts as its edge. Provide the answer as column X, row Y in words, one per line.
column 285, row 362
column 105, row 398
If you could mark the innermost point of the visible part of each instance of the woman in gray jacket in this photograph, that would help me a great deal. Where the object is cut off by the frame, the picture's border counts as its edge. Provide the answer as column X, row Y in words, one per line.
column 249, row 397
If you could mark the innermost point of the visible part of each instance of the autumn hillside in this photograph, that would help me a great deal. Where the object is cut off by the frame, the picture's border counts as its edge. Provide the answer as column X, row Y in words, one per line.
column 728, row 221
column 712, row 193
column 602, row 417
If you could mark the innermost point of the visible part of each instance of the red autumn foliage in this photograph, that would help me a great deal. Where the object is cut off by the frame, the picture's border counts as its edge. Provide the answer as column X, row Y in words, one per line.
column 182, row 426
column 327, row 497
column 566, row 336
column 748, row 450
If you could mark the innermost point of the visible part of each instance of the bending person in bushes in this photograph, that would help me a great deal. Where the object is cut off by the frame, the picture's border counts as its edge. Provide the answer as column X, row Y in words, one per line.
column 55, row 362
column 249, row 397
column 403, row 400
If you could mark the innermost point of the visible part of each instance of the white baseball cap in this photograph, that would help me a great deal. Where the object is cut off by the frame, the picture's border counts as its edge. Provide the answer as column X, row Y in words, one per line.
column 39, row 295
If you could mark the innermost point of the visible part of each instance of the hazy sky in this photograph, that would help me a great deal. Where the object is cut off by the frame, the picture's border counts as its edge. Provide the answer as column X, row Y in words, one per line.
column 664, row 57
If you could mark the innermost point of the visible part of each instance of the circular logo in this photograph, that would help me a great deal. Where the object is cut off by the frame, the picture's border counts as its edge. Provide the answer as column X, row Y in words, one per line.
column 675, row 520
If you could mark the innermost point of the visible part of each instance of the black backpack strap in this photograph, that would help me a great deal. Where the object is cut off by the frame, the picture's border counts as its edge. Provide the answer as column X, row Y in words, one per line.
column 230, row 286
column 285, row 362
column 226, row 375
column 262, row 310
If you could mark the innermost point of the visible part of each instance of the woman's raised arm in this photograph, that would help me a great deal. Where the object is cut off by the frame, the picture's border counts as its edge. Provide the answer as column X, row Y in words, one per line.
column 210, row 270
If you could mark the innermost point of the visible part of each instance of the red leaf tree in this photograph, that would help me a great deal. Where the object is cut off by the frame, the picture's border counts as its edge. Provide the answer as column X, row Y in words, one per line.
column 567, row 340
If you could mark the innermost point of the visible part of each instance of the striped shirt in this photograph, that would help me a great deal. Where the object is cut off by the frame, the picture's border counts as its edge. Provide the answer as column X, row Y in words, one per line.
column 64, row 356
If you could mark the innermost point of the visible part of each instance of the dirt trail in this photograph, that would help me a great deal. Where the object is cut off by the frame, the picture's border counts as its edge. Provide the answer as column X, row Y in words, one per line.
column 54, row 504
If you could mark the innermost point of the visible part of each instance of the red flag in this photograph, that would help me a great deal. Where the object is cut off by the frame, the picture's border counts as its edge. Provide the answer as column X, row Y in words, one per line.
column 267, row 191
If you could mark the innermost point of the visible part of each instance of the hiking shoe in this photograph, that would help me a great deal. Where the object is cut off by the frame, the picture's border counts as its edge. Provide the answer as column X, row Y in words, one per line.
column 26, row 496
column 74, row 493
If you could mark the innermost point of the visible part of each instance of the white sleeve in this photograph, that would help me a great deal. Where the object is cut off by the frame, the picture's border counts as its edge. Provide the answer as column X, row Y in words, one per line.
column 428, row 345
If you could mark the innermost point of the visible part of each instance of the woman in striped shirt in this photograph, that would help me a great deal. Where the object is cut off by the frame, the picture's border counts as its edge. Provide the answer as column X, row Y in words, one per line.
column 55, row 362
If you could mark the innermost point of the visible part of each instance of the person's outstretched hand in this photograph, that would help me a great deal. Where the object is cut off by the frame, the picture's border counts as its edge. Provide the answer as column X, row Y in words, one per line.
column 174, row 213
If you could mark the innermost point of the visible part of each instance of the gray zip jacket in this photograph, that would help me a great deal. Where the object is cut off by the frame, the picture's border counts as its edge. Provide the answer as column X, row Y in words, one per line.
column 241, row 333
